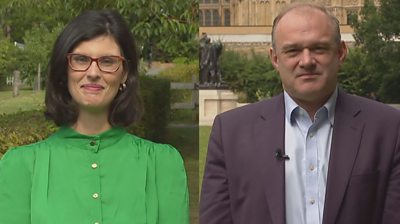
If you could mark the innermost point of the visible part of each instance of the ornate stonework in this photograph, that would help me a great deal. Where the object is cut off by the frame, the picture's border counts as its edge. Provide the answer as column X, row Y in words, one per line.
column 262, row 12
column 245, row 25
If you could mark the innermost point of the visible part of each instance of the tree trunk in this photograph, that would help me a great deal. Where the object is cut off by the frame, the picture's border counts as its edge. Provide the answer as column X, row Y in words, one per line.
column 16, row 82
column 38, row 79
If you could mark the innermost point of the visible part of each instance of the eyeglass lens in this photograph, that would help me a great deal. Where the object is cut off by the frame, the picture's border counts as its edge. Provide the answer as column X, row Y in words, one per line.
column 80, row 62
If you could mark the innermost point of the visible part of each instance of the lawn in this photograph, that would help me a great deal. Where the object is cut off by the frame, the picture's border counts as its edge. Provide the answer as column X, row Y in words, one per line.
column 27, row 100
column 204, row 134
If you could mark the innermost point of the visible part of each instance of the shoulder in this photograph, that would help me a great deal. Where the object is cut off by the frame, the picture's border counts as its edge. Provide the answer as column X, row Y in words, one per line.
column 370, row 108
column 17, row 164
column 264, row 108
column 24, row 154
column 160, row 152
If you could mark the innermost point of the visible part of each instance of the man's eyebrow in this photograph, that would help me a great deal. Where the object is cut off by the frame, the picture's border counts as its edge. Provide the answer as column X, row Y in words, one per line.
column 316, row 44
column 290, row 46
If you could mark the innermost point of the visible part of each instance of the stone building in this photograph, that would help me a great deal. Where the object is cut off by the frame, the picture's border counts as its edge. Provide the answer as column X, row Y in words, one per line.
column 246, row 24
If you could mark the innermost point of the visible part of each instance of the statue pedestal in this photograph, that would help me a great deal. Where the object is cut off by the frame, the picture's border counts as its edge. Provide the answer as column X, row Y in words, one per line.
column 213, row 102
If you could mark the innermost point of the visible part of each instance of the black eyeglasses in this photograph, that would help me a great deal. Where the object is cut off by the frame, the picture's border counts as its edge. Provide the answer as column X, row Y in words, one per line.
column 81, row 63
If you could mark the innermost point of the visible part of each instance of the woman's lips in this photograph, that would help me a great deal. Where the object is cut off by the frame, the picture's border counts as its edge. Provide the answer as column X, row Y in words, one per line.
column 92, row 87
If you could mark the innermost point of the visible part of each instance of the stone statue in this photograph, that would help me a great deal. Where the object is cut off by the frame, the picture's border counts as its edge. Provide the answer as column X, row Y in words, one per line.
column 210, row 75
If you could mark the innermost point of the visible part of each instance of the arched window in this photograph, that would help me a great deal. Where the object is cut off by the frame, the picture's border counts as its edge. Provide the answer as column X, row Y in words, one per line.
column 227, row 17
column 207, row 18
column 216, row 18
column 201, row 18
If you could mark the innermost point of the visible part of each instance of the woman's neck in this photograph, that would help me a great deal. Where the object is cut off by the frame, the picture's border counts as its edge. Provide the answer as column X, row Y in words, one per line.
column 90, row 123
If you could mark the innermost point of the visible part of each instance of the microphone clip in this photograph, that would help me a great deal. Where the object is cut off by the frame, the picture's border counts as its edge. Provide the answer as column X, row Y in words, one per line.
column 280, row 156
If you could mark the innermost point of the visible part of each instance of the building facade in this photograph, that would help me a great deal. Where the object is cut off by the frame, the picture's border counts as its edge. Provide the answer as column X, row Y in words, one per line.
column 247, row 23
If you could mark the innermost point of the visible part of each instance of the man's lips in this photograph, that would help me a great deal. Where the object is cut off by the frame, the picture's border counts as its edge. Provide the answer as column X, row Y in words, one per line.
column 307, row 75
column 92, row 87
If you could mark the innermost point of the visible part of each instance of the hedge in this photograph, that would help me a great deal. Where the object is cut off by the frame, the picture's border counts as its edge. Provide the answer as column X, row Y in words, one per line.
column 30, row 126
column 252, row 75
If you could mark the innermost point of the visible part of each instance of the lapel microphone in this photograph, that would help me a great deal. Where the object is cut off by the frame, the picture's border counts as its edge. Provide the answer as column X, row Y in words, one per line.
column 280, row 156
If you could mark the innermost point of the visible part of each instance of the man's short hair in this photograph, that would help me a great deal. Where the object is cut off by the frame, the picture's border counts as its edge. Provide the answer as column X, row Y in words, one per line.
column 333, row 19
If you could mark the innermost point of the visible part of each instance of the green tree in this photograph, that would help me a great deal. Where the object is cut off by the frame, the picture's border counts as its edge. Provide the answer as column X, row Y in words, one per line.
column 354, row 76
column 251, row 74
column 38, row 45
column 9, row 55
column 377, row 33
column 167, row 27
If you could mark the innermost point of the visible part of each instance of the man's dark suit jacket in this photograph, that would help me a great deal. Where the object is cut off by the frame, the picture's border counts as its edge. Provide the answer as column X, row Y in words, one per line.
column 244, row 182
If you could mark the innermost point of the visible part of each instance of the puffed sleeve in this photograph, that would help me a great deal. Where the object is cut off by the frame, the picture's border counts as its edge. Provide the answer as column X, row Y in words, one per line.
column 15, row 184
column 172, row 188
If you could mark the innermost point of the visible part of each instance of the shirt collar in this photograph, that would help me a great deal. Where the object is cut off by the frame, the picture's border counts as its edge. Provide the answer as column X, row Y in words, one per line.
column 93, row 143
column 291, row 106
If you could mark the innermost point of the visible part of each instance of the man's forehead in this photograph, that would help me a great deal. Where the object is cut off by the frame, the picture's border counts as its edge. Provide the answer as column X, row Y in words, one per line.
column 304, row 18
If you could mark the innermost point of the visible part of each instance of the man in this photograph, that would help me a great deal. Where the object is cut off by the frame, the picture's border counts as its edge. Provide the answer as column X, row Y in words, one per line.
column 313, row 154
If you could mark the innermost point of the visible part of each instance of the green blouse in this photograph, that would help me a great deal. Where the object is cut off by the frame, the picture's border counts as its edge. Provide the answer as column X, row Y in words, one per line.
column 110, row 178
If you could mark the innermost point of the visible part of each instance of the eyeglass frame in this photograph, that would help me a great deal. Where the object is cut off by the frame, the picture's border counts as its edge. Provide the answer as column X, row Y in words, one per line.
column 69, row 55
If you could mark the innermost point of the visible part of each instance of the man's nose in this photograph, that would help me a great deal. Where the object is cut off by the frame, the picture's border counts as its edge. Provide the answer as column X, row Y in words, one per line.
column 307, row 59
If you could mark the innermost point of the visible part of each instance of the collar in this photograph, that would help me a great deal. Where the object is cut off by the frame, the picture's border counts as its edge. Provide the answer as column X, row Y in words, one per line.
column 291, row 106
column 94, row 143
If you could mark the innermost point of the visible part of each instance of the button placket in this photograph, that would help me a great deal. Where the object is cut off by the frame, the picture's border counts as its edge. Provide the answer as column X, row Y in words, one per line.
column 93, row 167
column 94, row 144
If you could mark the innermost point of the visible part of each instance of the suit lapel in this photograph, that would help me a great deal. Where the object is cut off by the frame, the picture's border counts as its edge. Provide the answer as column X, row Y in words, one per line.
column 346, row 136
column 269, row 137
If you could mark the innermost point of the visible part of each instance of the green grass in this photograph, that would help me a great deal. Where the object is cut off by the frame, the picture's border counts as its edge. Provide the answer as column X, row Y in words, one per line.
column 27, row 100
column 184, row 116
column 204, row 134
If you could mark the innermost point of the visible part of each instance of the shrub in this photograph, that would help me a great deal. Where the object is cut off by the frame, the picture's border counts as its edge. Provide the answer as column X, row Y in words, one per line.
column 14, row 128
column 183, row 71
column 23, row 128
column 251, row 74
column 155, row 93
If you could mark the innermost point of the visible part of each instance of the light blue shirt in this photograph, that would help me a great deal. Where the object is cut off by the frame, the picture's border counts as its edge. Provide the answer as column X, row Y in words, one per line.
column 308, row 145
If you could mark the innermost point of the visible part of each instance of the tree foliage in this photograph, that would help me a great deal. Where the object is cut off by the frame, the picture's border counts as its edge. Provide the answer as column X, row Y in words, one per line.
column 377, row 32
column 8, row 58
column 251, row 74
column 164, row 29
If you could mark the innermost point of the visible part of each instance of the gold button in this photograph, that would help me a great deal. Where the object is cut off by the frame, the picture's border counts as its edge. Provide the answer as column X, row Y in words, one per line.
column 95, row 195
column 94, row 165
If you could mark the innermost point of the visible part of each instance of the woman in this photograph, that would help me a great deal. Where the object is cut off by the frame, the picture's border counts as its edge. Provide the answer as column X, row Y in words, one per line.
column 91, row 170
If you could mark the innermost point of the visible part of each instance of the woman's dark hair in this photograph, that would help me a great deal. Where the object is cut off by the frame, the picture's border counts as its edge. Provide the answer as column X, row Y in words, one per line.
column 126, row 107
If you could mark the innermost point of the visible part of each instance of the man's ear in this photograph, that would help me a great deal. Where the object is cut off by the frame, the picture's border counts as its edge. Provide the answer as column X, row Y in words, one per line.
column 343, row 51
column 273, row 57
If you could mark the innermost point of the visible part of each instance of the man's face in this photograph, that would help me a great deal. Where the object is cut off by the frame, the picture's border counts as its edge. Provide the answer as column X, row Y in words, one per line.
column 306, row 55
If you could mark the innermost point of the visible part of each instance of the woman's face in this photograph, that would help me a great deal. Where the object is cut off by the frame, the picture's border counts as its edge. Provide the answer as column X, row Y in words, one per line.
column 94, row 89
